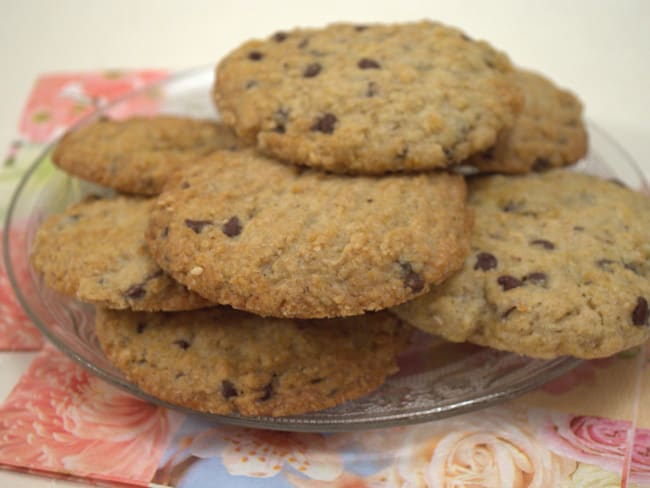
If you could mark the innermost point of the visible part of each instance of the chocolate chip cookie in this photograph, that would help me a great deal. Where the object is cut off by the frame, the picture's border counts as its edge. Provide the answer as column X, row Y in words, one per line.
column 278, row 240
column 136, row 155
column 368, row 99
column 548, row 133
column 95, row 251
column 222, row 361
column 559, row 265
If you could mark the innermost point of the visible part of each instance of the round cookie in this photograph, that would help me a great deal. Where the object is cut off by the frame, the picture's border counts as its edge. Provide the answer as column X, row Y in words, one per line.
column 222, row 361
column 368, row 99
column 136, row 155
column 283, row 241
column 96, row 252
column 559, row 266
column 548, row 133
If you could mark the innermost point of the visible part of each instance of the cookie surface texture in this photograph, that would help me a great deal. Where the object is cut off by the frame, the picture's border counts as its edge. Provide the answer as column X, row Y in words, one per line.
column 559, row 266
column 278, row 240
column 548, row 133
column 223, row 361
column 136, row 155
column 96, row 252
column 368, row 99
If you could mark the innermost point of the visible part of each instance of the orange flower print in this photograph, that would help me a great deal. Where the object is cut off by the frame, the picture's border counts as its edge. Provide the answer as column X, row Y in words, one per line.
column 491, row 448
column 262, row 454
column 60, row 418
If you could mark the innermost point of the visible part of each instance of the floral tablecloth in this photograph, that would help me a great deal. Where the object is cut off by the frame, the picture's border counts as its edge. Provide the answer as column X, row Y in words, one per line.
column 590, row 428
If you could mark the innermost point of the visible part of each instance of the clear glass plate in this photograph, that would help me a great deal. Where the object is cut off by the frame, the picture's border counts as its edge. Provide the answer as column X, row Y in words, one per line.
column 437, row 379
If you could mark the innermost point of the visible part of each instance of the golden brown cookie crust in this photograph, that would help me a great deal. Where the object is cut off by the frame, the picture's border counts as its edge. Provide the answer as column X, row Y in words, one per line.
column 136, row 155
column 277, row 240
column 224, row 361
column 368, row 99
column 559, row 266
column 548, row 133
column 95, row 251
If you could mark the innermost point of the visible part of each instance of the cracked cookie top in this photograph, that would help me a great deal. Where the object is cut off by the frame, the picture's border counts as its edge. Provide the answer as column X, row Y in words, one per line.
column 368, row 99
column 278, row 240
column 559, row 265
column 548, row 133
column 137, row 155
column 221, row 360
column 96, row 252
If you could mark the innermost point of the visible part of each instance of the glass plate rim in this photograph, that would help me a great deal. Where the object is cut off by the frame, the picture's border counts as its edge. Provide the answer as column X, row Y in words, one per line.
column 553, row 368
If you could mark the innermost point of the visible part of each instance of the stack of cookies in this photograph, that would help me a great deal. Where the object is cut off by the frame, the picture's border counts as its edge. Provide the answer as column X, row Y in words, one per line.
column 276, row 262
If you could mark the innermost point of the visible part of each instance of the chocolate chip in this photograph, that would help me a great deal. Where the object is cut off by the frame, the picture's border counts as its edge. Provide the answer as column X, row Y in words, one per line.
column 508, row 282
column 197, row 225
column 511, row 206
column 140, row 327
column 372, row 89
column 541, row 164
column 369, row 200
column 267, row 392
column 315, row 381
column 228, row 390
column 135, row 292
column 155, row 274
column 165, row 232
column 232, row 228
column 183, row 344
column 488, row 153
column 367, row 63
column 312, row 70
column 449, row 153
column 280, row 117
column 360, row 28
column 279, row 36
column 185, row 185
column 411, row 279
column 489, row 63
column 536, row 278
column 251, row 84
column 466, row 37
column 485, row 261
column 605, row 264
column 508, row 312
column 255, row 55
column 640, row 312
column 325, row 124
column 543, row 243
column 636, row 268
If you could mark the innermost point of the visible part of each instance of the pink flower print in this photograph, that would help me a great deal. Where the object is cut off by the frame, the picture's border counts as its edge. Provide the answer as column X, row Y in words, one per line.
column 492, row 447
column 262, row 454
column 58, row 101
column 640, row 462
column 60, row 418
column 593, row 440
column 17, row 332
